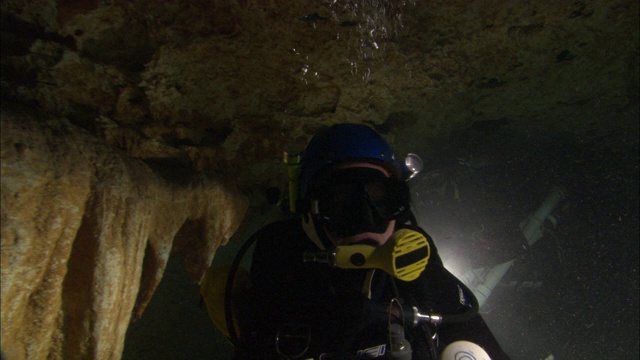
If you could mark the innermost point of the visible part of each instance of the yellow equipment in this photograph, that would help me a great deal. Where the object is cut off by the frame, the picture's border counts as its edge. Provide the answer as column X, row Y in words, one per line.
column 404, row 256
column 292, row 160
column 213, row 289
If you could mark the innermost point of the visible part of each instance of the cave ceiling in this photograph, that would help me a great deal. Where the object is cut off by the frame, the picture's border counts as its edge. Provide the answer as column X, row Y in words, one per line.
column 225, row 87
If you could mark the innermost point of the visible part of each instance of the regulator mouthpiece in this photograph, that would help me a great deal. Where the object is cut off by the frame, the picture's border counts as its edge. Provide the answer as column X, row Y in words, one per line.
column 404, row 256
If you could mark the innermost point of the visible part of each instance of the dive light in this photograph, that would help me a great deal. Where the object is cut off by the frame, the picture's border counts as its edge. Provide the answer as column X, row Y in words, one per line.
column 404, row 256
column 292, row 160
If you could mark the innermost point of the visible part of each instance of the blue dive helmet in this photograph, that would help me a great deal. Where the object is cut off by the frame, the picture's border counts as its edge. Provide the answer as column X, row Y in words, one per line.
column 346, row 142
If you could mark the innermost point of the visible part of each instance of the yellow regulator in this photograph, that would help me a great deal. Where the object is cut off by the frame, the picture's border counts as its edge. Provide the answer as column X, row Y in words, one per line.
column 405, row 255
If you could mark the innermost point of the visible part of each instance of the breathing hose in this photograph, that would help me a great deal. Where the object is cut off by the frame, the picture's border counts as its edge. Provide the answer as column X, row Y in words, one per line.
column 228, row 309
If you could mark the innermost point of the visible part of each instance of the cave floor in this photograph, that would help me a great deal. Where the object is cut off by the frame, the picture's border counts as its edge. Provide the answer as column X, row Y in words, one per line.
column 573, row 295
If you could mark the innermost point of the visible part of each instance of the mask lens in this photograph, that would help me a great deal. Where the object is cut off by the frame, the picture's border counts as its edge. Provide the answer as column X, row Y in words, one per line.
column 389, row 198
column 338, row 199
column 358, row 200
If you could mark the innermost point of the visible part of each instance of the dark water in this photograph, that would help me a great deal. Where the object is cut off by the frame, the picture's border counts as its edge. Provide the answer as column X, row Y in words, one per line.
column 174, row 326
column 573, row 295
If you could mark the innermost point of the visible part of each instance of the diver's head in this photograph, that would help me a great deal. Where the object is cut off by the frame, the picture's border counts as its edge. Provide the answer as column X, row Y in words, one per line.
column 352, row 187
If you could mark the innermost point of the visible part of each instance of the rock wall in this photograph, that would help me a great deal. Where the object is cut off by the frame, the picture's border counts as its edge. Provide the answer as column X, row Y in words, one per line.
column 215, row 84
column 200, row 89
column 86, row 235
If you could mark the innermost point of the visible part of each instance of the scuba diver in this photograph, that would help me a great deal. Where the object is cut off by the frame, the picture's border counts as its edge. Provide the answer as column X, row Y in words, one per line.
column 351, row 275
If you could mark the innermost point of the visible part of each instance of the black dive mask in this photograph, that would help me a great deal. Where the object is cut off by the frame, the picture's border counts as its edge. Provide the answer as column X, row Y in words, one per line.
column 357, row 200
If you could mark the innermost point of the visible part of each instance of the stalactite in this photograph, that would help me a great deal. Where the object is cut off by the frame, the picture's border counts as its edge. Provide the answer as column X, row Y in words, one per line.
column 86, row 235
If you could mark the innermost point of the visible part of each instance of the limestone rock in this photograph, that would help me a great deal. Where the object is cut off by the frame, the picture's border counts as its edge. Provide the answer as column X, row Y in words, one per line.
column 86, row 235
column 224, row 87
column 187, row 82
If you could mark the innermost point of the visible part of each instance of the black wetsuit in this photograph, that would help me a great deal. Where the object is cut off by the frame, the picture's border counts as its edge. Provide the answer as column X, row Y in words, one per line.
column 295, row 301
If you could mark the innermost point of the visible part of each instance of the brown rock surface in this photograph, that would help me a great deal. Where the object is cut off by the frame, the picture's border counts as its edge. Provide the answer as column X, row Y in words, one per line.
column 210, row 87
column 211, row 84
column 86, row 235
